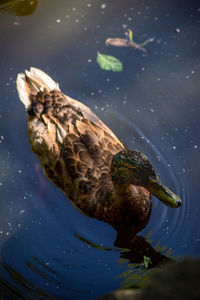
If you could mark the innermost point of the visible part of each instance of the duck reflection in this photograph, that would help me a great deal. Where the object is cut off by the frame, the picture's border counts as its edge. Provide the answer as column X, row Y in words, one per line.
column 134, row 251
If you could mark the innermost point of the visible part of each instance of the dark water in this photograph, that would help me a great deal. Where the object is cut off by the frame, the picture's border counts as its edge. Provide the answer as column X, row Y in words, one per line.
column 49, row 250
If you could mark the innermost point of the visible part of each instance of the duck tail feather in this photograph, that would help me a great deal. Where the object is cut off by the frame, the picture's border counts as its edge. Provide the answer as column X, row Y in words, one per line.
column 33, row 81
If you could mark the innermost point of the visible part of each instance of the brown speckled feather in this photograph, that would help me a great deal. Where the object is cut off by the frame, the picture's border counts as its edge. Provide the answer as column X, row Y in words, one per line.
column 81, row 150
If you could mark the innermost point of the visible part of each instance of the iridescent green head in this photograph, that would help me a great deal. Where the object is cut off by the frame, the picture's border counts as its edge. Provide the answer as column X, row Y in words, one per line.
column 133, row 167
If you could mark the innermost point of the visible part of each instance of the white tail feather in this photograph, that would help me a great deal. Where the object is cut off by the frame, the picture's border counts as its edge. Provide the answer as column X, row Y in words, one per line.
column 32, row 82
column 21, row 88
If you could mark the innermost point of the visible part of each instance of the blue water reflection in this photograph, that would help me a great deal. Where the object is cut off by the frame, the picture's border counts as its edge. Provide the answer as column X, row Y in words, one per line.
column 153, row 106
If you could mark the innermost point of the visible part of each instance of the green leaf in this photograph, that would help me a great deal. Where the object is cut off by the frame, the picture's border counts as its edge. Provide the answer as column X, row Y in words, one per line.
column 109, row 63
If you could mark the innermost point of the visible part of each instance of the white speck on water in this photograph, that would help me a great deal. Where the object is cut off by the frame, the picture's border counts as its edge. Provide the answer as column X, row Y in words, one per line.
column 0, row 183
column 22, row 211
column 89, row 60
column 152, row 110
column 89, row 5
column 16, row 23
column 74, row 9
column 143, row 69
column 103, row 6
column 184, row 170
column 174, row 147
column 195, row 146
column 124, row 26
column 117, row 88
column 19, row 171
column 192, row 71
column 58, row 20
column 108, row 79
column 96, row 107
column 92, row 94
column 187, row 76
column 77, row 20
column 158, row 79
column 129, row 19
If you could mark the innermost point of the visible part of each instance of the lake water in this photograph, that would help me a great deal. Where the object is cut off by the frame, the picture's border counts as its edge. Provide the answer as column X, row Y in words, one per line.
column 49, row 250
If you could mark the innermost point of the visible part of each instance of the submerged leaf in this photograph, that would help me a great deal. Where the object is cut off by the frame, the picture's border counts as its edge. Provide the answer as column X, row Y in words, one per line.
column 109, row 63
column 147, row 262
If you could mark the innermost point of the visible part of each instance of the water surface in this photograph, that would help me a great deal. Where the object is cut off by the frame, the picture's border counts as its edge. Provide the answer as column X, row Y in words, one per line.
column 49, row 250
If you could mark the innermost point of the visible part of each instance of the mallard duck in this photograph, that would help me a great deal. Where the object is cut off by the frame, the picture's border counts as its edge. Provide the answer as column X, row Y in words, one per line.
column 85, row 159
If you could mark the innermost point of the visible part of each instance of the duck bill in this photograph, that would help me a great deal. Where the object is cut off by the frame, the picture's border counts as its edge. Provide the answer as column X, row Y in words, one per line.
column 156, row 188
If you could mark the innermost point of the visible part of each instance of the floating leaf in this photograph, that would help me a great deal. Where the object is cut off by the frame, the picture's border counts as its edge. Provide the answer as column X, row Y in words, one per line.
column 109, row 63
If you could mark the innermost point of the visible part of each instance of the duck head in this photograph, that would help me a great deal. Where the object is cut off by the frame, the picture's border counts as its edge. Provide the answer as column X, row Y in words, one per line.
column 133, row 167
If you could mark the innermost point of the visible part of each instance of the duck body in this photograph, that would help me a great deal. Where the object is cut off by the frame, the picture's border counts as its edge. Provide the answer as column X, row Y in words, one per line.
column 76, row 150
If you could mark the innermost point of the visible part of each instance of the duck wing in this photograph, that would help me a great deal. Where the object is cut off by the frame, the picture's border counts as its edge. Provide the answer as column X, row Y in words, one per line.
column 73, row 144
